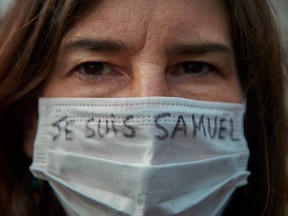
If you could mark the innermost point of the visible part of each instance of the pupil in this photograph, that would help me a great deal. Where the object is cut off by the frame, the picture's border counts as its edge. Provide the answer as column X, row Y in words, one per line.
column 193, row 67
column 93, row 68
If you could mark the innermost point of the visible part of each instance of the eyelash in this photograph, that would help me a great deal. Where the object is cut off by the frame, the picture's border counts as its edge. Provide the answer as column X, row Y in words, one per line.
column 98, row 69
column 94, row 70
column 200, row 68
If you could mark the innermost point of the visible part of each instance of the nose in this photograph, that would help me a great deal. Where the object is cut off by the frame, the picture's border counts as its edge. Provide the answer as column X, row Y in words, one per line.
column 149, row 80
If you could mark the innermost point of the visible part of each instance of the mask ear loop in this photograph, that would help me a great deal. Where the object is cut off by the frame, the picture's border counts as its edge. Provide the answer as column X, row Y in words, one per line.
column 36, row 187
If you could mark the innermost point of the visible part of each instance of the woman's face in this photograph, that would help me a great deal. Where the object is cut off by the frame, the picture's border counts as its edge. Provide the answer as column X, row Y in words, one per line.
column 134, row 48
column 129, row 48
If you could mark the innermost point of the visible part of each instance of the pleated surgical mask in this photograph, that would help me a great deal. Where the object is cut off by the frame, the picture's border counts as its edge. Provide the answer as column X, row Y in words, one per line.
column 154, row 156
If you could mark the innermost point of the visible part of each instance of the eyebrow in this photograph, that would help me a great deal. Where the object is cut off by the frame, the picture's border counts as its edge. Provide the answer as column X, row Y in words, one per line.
column 102, row 45
column 199, row 49
column 96, row 45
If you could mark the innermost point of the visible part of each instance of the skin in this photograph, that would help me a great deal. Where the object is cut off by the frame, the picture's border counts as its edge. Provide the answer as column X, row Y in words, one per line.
column 137, row 49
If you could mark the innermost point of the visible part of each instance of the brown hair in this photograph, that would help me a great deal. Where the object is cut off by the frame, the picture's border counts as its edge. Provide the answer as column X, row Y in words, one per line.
column 260, row 66
column 30, row 35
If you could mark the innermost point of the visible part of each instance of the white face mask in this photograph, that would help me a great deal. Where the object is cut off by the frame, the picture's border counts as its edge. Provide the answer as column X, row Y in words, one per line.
column 141, row 156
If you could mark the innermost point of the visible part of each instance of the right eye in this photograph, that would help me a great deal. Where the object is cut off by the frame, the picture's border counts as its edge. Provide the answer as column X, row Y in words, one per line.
column 94, row 69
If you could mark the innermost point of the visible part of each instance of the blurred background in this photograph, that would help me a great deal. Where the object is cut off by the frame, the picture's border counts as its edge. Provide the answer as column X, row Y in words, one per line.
column 3, row 6
column 281, row 8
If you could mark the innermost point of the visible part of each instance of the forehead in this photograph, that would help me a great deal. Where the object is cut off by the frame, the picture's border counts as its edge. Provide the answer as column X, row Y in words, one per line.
column 159, row 21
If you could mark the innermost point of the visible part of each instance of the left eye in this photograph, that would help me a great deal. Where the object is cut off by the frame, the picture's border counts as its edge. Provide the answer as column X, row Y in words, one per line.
column 194, row 68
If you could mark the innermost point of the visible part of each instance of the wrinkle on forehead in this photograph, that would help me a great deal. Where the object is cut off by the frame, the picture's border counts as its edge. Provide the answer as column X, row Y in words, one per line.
column 128, row 17
column 154, row 22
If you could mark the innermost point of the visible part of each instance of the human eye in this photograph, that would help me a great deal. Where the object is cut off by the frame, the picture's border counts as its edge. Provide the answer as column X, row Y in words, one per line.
column 194, row 68
column 94, row 70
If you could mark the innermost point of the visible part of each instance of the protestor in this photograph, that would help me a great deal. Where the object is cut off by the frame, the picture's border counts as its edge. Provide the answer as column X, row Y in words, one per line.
column 141, row 108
